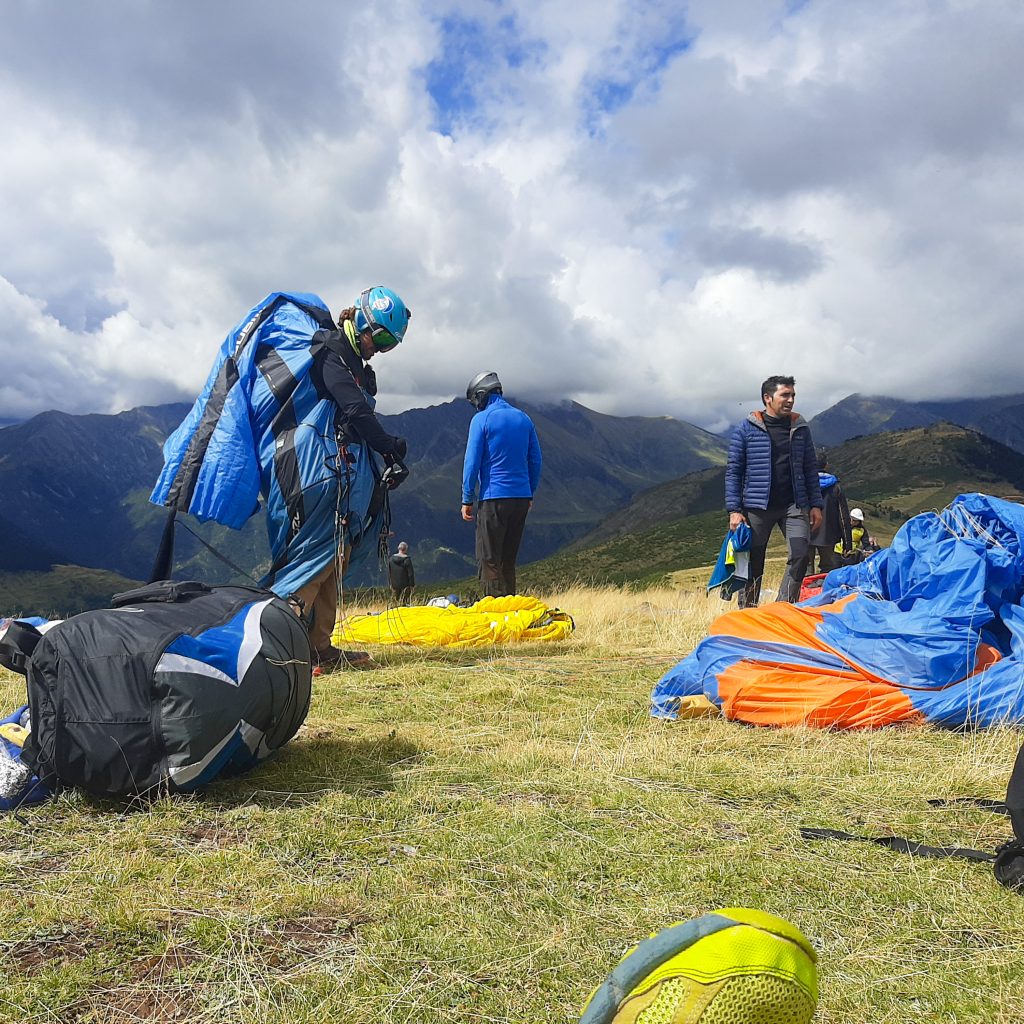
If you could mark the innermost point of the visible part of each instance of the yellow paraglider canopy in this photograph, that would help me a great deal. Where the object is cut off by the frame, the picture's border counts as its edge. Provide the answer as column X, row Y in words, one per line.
column 494, row 620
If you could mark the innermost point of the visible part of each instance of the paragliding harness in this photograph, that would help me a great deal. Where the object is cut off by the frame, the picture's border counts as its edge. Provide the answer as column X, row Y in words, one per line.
column 1007, row 859
column 395, row 472
column 174, row 685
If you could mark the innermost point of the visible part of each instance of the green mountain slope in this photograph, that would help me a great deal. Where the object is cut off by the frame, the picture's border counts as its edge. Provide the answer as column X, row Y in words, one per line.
column 64, row 590
column 642, row 557
column 593, row 464
column 74, row 489
column 915, row 470
column 680, row 524
column 688, row 496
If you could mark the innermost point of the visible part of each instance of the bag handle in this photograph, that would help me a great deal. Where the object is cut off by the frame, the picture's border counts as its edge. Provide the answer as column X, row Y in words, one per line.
column 17, row 645
column 161, row 592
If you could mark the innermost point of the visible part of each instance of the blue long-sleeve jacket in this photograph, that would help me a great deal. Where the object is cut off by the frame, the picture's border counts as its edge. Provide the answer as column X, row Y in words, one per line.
column 748, row 471
column 502, row 454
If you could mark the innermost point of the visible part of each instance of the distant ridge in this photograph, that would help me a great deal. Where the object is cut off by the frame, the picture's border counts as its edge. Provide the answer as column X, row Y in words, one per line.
column 593, row 464
column 1001, row 417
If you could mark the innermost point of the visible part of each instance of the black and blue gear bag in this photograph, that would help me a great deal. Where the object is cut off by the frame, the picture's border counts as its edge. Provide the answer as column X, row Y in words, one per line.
column 175, row 685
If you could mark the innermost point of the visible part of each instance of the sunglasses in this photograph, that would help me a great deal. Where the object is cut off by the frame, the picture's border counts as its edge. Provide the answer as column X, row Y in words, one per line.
column 383, row 339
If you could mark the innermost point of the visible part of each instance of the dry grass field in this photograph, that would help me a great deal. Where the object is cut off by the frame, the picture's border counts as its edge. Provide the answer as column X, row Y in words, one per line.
column 475, row 836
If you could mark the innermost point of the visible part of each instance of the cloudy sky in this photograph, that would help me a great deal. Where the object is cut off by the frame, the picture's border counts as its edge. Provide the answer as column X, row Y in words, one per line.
column 645, row 206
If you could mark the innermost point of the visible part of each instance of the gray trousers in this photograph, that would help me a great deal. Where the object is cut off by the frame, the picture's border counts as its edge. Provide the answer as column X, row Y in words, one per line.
column 795, row 526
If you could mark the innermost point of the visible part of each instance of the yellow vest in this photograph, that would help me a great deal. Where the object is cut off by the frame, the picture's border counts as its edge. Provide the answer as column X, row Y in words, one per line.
column 857, row 533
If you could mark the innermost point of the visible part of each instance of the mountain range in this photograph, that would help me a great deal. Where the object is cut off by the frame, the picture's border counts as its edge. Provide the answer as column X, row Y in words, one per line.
column 593, row 464
column 74, row 489
column 680, row 524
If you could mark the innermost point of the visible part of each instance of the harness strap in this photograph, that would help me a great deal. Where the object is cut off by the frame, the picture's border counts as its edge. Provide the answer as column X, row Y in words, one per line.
column 901, row 845
column 1008, row 859
column 981, row 802
column 237, row 569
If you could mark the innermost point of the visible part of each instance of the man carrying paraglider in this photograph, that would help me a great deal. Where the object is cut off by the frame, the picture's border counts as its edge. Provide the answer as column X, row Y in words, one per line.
column 287, row 416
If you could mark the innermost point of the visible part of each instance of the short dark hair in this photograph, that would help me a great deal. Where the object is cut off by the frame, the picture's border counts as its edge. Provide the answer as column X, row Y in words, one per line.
column 772, row 384
column 822, row 458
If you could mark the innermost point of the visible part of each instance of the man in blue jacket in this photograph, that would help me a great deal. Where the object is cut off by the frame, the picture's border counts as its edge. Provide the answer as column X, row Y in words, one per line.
column 771, row 479
column 502, row 458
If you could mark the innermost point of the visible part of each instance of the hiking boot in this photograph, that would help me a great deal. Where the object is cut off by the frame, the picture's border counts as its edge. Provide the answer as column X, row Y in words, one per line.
column 734, row 966
column 332, row 657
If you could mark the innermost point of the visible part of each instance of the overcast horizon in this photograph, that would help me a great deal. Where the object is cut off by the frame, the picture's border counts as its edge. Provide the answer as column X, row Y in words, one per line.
column 724, row 428
column 643, row 207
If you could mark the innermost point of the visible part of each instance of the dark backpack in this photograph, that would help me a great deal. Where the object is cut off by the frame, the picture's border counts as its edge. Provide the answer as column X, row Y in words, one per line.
column 174, row 685
column 1009, row 866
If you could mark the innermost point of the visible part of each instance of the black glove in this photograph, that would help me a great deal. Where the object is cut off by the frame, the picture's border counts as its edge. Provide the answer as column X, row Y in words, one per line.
column 396, row 473
column 401, row 448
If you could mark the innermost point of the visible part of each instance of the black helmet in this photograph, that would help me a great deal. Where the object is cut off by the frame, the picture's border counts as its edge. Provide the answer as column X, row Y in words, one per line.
column 481, row 386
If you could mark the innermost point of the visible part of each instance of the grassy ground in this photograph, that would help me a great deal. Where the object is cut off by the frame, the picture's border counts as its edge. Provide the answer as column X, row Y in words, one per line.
column 475, row 836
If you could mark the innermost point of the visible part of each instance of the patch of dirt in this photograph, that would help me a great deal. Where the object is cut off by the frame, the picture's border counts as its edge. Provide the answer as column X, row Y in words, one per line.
column 164, row 988
column 291, row 941
column 46, row 865
column 160, row 966
column 129, row 1004
column 460, row 789
column 317, row 732
column 985, row 939
column 730, row 831
column 156, row 987
column 69, row 944
column 530, row 799
column 211, row 835
column 31, row 865
column 50, row 949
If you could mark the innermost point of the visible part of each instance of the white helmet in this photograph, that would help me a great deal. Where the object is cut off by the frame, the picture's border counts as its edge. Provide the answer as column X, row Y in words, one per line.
column 855, row 513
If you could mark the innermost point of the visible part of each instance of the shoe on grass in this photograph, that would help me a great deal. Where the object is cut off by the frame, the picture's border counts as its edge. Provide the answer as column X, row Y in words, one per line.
column 735, row 966
column 333, row 657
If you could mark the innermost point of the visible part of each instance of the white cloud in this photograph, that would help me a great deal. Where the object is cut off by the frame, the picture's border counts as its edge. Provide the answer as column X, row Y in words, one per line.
column 646, row 213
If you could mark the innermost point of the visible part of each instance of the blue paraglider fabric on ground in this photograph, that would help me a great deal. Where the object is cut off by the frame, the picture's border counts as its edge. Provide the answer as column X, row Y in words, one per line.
column 18, row 786
column 930, row 629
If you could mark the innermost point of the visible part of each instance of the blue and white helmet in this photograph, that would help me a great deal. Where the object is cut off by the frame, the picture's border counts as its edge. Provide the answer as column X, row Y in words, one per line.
column 384, row 314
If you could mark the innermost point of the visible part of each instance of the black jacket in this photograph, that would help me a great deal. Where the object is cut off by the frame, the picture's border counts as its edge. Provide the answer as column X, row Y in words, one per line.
column 340, row 372
column 400, row 572
column 835, row 515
